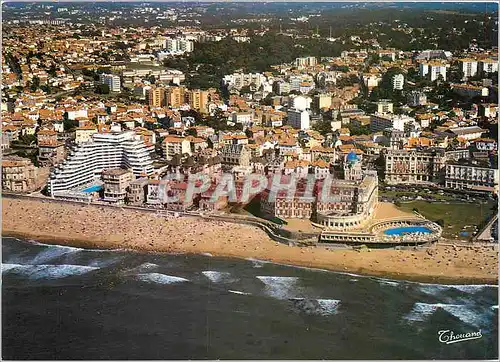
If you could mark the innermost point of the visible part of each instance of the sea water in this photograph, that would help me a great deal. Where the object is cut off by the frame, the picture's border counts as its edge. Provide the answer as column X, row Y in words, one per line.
column 71, row 303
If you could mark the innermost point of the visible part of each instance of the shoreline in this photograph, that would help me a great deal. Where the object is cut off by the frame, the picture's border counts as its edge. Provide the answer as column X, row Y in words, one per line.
column 89, row 245
column 95, row 227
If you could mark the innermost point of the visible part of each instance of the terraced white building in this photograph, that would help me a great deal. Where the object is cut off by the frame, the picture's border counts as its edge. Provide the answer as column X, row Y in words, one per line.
column 105, row 151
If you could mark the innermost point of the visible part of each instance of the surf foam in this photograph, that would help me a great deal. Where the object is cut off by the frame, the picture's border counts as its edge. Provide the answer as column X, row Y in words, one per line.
column 422, row 311
column 160, row 278
column 36, row 272
column 217, row 277
column 238, row 292
column 279, row 287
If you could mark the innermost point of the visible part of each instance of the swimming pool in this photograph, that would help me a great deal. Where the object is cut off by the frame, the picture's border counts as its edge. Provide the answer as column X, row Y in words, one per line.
column 95, row 188
column 408, row 230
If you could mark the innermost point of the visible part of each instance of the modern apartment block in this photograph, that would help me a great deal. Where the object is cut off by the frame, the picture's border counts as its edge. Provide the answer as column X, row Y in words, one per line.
column 398, row 81
column 179, row 45
column 407, row 167
column 175, row 145
column 240, row 80
column 416, row 98
column 156, row 97
column 385, row 106
column 469, row 67
column 306, row 62
column 176, row 96
column 198, row 100
column 298, row 119
column 469, row 176
column 86, row 161
column 381, row 121
column 488, row 65
column 113, row 81
column 432, row 70
column 470, row 91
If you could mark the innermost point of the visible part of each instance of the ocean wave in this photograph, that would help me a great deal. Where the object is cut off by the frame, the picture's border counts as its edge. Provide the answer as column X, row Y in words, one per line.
column 7, row 267
column 422, row 311
column 47, row 271
column 471, row 288
column 390, row 282
column 238, row 292
column 147, row 266
column 279, row 287
column 49, row 253
column 102, row 263
column 218, row 277
column 160, row 278
column 436, row 289
column 432, row 289
column 323, row 307
column 53, row 252
column 37, row 243
column 329, row 306
column 257, row 263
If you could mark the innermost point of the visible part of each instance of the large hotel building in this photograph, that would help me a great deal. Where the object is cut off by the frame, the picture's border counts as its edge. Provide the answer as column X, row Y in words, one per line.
column 465, row 175
column 86, row 161
column 348, row 204
column 409, row 167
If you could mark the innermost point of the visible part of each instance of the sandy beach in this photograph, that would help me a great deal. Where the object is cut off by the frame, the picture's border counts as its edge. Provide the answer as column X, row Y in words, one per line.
column 99, row 227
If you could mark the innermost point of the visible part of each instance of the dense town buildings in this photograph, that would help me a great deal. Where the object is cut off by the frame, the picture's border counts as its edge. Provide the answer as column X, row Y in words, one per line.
column 418, row 117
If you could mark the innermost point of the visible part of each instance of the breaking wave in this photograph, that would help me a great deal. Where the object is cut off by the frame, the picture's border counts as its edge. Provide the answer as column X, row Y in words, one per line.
column 437, row 289
column 423, row 311
column 102, row 263
column 257, row 263
column 238, row 292
column 36, row 272
column 279, row 287
column 388, row 282
column 160, row 278
column 471, row 288
column 218, row 277
column 51, row 252
column 147, row 266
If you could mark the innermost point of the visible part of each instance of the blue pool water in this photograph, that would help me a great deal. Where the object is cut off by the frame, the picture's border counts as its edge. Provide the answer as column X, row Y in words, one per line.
column 407, row 229
column 94, row 188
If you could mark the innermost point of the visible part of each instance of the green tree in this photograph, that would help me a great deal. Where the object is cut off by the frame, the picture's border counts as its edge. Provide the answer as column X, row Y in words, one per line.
column 102, row 88
column 35, row 83
column 323, row 127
